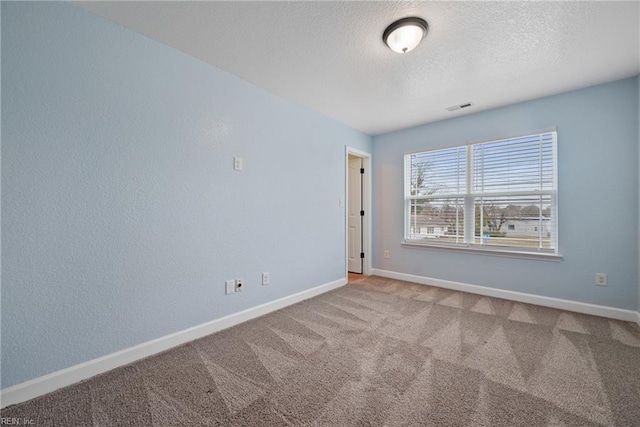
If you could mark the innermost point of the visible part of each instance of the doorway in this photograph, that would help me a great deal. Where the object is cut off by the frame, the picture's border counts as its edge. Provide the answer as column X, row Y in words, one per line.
column 358, row 211
column 355, row 215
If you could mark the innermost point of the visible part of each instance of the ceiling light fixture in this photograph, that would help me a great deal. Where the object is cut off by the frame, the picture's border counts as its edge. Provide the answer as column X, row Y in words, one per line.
column 405, row 34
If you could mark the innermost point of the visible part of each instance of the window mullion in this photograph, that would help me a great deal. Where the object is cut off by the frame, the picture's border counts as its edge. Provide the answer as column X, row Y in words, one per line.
column 469, row 214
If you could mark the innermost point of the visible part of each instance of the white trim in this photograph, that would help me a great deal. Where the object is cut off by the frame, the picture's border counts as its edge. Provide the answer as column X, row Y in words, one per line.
column 487, row 250
column 366, row 201
column 638, row 317
column 51, row 382
column 562, row 304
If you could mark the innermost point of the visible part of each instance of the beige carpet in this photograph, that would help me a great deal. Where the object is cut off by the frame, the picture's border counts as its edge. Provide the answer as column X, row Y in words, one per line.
column 376, row 352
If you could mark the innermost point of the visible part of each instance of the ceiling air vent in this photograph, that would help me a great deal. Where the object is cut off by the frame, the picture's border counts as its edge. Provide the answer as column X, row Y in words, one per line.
column 459, row 107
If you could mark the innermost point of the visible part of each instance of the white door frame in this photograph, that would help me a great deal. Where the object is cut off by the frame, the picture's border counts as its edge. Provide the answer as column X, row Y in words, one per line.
column 366, row 206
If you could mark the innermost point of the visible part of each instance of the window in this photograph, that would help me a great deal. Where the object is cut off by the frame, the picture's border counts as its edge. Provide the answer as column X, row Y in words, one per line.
column 491, row 195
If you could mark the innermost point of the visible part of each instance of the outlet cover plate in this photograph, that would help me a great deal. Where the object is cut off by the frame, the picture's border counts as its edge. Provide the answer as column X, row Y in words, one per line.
column 230, row 286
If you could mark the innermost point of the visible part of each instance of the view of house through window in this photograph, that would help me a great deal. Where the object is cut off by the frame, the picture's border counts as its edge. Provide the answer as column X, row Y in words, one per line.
column 498, row 194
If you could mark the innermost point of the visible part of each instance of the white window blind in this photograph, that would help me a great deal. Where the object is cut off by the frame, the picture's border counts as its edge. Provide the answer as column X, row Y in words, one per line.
column 499, row 194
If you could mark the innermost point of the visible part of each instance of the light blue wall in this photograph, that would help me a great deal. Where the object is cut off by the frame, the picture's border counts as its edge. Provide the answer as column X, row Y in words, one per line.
column 121, row 214
column 598, row 197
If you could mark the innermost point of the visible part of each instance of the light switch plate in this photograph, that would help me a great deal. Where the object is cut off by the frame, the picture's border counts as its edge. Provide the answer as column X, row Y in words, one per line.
column 230, row 286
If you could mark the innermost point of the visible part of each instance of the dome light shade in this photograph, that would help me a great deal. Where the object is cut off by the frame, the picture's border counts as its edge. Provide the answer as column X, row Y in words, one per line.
column 404, row 35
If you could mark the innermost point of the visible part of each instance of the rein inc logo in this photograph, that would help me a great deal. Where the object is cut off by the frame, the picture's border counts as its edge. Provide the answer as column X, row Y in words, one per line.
column 4, row 421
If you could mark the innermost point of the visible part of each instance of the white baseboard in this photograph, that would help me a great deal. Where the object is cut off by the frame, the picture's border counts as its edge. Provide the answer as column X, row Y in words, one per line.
column 578, row 307
column 51, row 382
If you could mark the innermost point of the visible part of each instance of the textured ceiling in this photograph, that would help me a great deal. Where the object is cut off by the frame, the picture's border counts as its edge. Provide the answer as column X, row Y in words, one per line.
column 329, row 56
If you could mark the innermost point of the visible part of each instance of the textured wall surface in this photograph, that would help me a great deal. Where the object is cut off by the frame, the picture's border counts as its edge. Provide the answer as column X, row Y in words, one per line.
column 597, row 197
column 121, row 213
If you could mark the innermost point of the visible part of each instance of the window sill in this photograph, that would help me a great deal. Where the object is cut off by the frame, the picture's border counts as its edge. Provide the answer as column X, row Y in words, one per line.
column 540, row 256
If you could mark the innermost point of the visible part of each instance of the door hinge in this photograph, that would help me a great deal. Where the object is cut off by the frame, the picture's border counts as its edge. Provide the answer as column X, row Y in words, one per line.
column 361, row 254
column 361, row 213
column 361, row 170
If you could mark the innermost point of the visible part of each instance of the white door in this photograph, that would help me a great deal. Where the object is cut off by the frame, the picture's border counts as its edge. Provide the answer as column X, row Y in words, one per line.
column 355, row 219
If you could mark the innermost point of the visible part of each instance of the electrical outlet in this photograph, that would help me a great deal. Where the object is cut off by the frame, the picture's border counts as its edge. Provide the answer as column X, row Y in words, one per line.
column 230, row 286
column 386, row 254
column 238, row 285
column 265, row 279
column 237, row 163
column 601, row 279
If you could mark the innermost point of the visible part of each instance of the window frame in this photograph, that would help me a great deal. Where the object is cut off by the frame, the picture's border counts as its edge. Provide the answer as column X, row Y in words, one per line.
column 469, row 197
